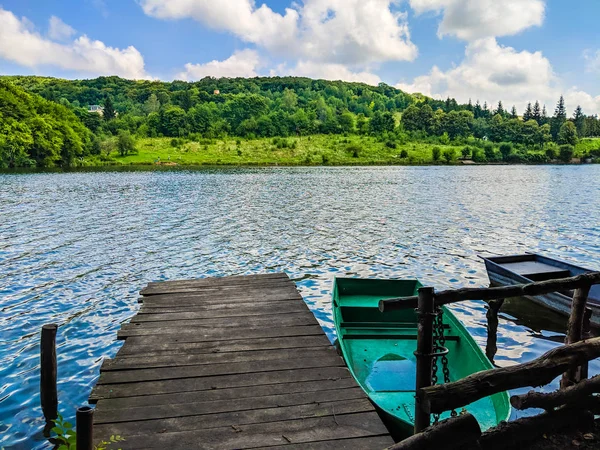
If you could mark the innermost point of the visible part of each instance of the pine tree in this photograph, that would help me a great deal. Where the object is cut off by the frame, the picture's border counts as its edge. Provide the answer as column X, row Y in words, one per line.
column 537, row 113
column 470, row 106
column 152, row 104
column 579, row 120
column 109, row 112
column 485, row 111
column 528, row 115
column 513, row 112
column 448, row 104
column 559, row 118
column 500, row 109
column 544, row 116
column 477, row 111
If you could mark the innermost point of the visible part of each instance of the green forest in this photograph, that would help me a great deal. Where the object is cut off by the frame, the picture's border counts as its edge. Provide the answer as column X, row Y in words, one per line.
column 46, row 122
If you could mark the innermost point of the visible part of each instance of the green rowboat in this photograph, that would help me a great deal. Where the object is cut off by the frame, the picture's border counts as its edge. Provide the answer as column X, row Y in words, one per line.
column 379, row 351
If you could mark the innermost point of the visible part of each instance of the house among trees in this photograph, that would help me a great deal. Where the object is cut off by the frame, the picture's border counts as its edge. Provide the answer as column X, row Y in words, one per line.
column 98, row 109
column 217, row 92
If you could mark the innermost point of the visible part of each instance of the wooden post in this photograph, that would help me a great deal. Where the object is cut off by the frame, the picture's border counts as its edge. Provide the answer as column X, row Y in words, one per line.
column 492, row 328
column 426, row 313
column 575, row 334
column 48, row 395
column 85, row 428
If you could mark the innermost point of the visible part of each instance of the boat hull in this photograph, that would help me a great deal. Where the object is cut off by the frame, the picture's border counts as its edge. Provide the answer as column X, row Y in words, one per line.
column 501, row 275
column 379, row 351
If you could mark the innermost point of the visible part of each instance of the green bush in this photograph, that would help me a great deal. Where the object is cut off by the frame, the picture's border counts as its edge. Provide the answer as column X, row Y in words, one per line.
column 551, row 153
column 478, row 156
column 489, row 151
column 354, row 149
column 390, row 144
column 175, row 143
column 436, row 152
column 506, row 149
column 466, row 152
column 404, row 154
column 449, row 155
column 566, row 152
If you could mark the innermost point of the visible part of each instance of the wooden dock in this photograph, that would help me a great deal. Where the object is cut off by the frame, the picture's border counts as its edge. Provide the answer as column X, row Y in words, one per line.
column 231, row 363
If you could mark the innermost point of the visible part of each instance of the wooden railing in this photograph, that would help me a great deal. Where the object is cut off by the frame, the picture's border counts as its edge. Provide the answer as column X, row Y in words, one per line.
column 570, row 360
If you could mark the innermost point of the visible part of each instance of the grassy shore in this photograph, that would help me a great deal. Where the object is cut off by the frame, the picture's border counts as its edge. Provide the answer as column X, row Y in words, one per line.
column 293, row 151
column 310, row 150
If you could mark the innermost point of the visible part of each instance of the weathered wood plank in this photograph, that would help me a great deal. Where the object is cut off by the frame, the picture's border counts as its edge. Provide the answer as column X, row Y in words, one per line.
column 178, row 360
column 231, row 406
column 201, row 311
column 215, row 298
column 224, row 288
column 208, row 370
column 298, row 431
column 217, row 334
column 217, row 382
column 291, row 319
column 378, row 442
column 237, row 393
column 215, row 281
column 140, row 345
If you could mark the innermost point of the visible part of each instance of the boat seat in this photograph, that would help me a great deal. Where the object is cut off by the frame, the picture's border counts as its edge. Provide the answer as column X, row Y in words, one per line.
column 545, row 276
column 404, row 337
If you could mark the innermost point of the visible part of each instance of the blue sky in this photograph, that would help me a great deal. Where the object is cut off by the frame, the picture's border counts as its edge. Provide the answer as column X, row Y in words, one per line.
column 511, row 50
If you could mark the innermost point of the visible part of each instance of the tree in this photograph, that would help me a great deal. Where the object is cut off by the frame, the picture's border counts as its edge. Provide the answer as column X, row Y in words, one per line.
column 528, row 114
column 436, row 152
column 449, row 155
column 568, row 134
column 513, row 113
column 109, row 112
column 411, row 118
column 537, row 113
column 125, row 143
column 500, row 109
column 466, row 152
column 579, row 120
column 506, row 149
column 108, row 146
column 152, row 104
column 566, row 153
column 559, row 118
column 382, row 122
column 347, row 122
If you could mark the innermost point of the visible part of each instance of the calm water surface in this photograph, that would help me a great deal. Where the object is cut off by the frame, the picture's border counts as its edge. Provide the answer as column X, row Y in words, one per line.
column 76, row 248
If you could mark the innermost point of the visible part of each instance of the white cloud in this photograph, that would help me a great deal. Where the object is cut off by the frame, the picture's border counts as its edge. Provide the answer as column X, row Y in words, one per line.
column 323, row 71
column 476, row 19
column 58, row 30
column 241, row 64
column 20, row 43
column 592, row 60
column 491, row 72
column 334, row 31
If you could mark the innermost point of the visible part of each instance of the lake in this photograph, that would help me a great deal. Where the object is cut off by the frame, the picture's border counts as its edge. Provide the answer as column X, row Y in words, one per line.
column 76, row 248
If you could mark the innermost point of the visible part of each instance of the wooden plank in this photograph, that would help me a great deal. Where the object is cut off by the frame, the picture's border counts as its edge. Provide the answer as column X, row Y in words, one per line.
column 379, row 442
column 221, row 310
column 217, row 382
column 140, row 345
column 236, row 393
column 210, row 370
column 215, row 281
column 176, row 410
column 217, row 334
column 191, row 422
column 298, row 431
column 290, row 319
column 224, row 288
column 178, row 360
column 216, row 298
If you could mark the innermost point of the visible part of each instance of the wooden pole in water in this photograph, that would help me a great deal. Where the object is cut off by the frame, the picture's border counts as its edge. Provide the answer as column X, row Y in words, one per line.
column 492, row 328
column 575, row 334
column 48, row 395
column 85, row 428
column 426, row 314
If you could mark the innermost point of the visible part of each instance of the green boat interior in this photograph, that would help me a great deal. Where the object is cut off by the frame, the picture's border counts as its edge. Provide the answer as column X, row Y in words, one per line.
column 379, row 350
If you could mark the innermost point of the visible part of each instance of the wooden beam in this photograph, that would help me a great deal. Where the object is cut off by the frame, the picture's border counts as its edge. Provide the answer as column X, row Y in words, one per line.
column 449, row 434
column 495, row 293
column 575, row 334
column 426, row 313
column 548, row 401
column 492, row 328
column 540, row 371
column 48, row 373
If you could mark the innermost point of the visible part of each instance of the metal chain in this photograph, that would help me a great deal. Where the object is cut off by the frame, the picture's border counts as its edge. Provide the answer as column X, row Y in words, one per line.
column 440, row 340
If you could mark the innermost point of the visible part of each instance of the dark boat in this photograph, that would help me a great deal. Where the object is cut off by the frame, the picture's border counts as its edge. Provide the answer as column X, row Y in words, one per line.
column 522, row 269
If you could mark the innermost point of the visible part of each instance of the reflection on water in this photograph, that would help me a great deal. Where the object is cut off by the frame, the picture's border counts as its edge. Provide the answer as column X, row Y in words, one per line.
column 76, row 248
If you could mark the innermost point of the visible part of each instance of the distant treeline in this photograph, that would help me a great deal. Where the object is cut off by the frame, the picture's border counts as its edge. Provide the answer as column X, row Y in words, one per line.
column 250, row 108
